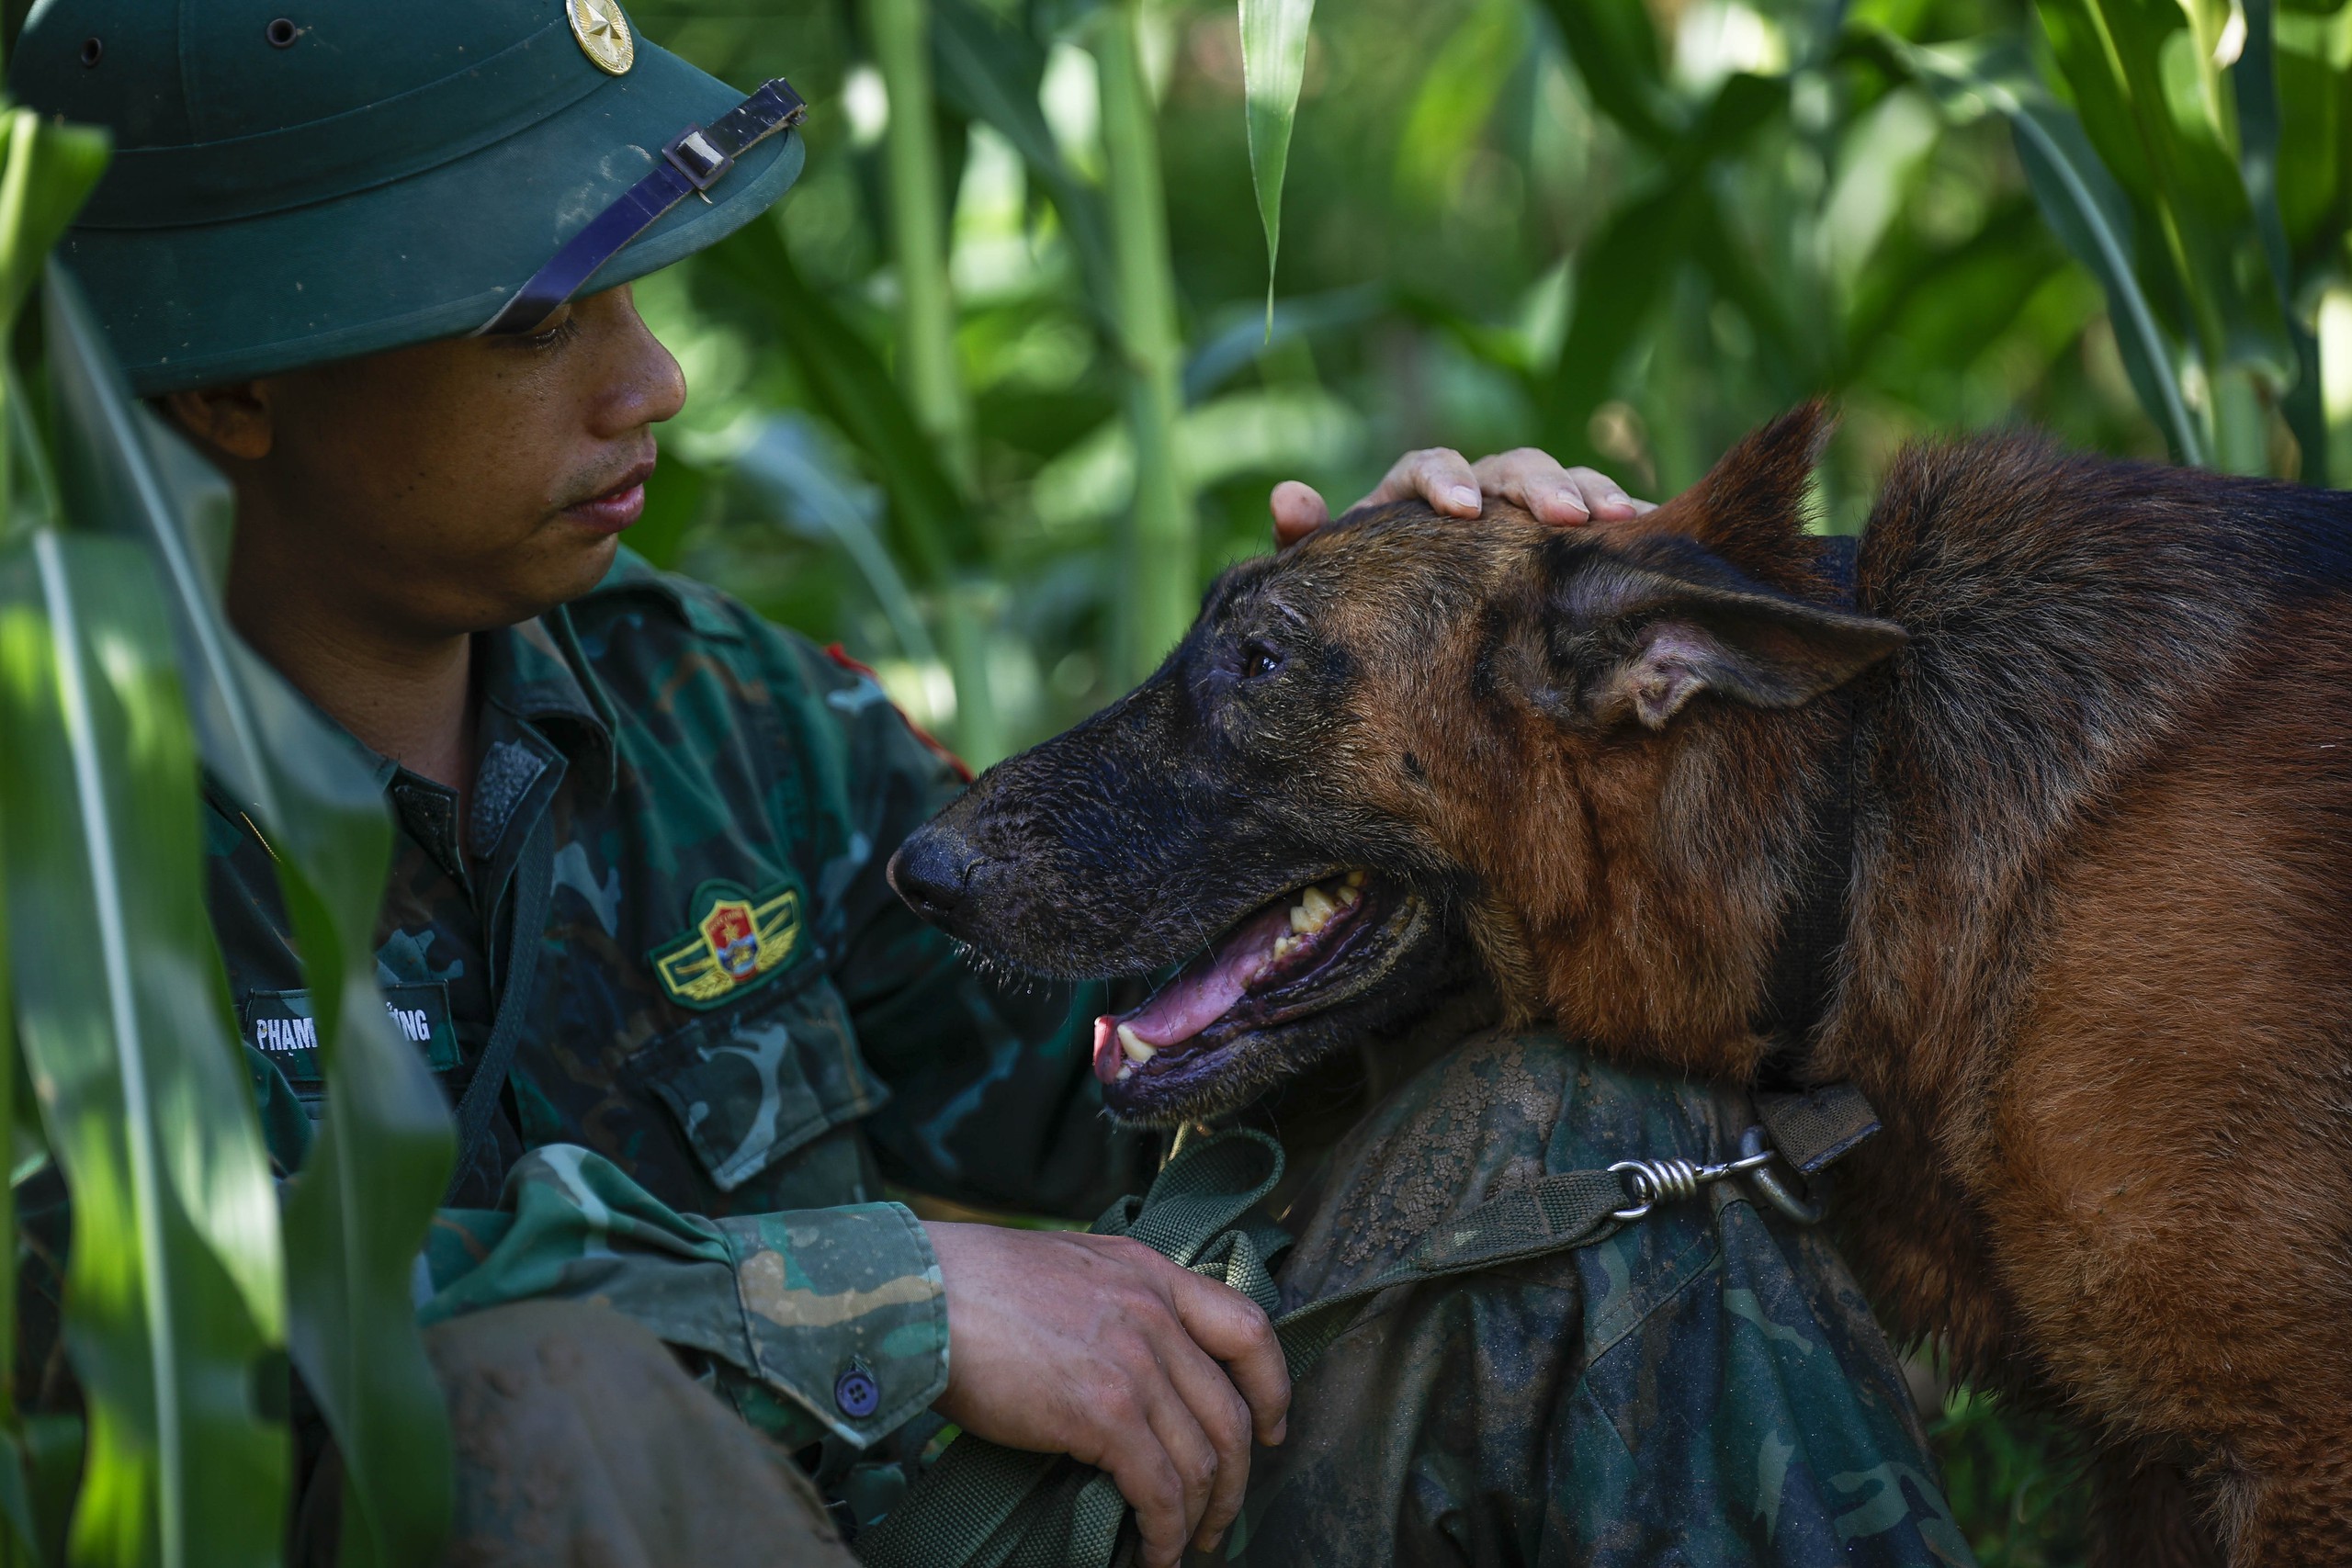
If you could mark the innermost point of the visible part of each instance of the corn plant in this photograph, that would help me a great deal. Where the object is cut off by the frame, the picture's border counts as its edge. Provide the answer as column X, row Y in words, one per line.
column 2193, row 158
column 194, row 1275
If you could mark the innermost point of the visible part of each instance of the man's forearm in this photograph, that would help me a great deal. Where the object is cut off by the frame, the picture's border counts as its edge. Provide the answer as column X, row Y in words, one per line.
column 838, row 1313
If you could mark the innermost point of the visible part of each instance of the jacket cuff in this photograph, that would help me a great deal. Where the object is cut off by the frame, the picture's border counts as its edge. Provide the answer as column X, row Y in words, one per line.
column 844, row 1312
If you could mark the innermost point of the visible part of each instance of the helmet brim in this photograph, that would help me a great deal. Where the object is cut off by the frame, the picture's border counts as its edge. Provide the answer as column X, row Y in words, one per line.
column 431, row 256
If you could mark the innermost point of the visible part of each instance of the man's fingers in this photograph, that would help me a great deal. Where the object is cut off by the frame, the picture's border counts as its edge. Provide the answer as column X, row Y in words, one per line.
column 1438, row 474
column 1228, row 1325
column 1451, row 484
column 1299, row 510
column 1193, row 1449
column 1217, row 1411
column 1147, row 1478
column 1553, row 493
column 1604, row 498
column 1534, row 479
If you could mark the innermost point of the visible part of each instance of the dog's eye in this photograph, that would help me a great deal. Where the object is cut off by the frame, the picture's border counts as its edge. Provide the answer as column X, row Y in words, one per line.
column 1260, row 659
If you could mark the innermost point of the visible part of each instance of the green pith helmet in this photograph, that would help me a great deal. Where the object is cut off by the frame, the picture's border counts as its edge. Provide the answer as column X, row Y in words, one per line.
column 297, row 181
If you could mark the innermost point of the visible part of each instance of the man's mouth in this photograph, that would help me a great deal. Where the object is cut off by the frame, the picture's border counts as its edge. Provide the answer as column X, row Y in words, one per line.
column 616, row 508
column 1286, row 960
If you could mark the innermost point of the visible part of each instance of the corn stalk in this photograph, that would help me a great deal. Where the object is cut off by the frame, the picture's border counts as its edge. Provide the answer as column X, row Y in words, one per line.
column 1160, row 548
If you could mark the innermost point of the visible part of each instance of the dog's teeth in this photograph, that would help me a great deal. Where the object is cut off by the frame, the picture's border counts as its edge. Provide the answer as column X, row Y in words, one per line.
column 1300, row 924
column 1126, row 1071
column 1347, row 894
column 1318, row 907
column 1355, row 879
column 1284, row 946
column 1133, row 1044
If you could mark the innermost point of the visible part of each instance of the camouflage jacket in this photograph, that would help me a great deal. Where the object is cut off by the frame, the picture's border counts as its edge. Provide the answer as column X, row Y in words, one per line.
column 736, row 1032
column 1705, row 1388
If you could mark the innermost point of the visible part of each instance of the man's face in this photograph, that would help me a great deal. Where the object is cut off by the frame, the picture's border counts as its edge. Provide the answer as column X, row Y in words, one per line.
column 450, row 487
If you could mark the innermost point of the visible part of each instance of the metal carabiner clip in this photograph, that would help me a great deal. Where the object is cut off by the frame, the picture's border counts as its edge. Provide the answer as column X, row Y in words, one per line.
column 1804, row 1211
column 1650, row 1182
column 1654, row 1181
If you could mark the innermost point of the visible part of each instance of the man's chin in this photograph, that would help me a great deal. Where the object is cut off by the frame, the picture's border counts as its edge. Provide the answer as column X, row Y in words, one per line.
column 587, row 559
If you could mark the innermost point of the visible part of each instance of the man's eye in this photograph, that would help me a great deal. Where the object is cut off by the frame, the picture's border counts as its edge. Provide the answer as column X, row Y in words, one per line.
column 1260, row 660
column 562, row 332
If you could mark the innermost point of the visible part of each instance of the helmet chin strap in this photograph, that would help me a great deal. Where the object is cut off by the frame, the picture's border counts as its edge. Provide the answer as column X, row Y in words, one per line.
column 694, row 160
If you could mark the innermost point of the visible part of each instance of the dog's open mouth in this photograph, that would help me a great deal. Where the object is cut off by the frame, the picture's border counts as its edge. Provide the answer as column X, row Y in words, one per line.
column 1305, row 954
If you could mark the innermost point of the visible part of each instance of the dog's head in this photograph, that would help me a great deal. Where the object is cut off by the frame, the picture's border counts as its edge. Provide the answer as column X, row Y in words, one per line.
column 1402, row 741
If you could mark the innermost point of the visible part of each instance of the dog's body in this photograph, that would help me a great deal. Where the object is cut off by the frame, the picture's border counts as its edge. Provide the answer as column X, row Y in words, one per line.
column 2091, row 725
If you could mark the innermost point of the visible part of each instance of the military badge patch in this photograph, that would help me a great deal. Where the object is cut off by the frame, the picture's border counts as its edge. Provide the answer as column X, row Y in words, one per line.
column 739, row 940
column 602, row 33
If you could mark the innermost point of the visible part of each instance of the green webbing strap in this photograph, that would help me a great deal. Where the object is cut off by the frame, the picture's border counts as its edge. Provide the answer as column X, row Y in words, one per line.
column 985, row 1506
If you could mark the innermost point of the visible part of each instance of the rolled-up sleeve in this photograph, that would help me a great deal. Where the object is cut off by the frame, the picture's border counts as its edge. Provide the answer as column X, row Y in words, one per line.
column 837, row 1314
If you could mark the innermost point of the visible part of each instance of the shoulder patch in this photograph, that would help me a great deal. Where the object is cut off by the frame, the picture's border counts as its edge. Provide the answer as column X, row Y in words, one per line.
column 736, row 941
column 841, row 656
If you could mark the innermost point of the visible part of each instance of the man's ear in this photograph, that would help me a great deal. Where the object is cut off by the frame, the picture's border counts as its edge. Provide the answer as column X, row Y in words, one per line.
column 1636, row 643
column 234, row 420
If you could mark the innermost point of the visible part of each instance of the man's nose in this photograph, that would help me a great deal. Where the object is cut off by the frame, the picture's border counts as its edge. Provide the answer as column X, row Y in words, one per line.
column 932, row 871
column 644, row 385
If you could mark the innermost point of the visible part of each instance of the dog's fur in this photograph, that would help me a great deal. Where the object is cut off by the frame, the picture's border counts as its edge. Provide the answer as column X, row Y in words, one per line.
column 2096, row 969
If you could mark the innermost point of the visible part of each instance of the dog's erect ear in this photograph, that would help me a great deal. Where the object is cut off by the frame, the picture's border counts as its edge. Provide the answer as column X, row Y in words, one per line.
column 1637, row 638
column 1750, row 508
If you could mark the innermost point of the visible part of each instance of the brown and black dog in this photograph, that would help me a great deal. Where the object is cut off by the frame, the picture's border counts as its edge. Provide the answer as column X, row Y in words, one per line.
column 2077, row 753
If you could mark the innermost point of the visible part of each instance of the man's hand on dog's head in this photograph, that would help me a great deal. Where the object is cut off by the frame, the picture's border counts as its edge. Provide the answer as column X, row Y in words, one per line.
column 1451, row 484
column 1100, row 1348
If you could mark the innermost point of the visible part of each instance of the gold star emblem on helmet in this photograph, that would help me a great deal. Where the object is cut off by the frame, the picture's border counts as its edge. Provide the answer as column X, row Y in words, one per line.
column 603, row 33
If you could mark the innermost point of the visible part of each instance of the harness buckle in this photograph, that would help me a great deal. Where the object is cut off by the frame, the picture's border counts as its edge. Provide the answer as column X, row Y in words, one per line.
column 693, row 154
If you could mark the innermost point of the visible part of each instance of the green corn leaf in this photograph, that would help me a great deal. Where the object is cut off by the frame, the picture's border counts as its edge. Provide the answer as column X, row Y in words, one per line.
column 855, row 389
column 805, row 487
column 1627, row 268
column 1946, row 304
column 2146, row 77
column 2078, row 196
column 2255, row 82
column 936, row 523
column 17, row 1506
column 1273, row 64
column 50, row 169
column 991, row 72
column 174, row 1285
column 1451, row 108
column 1623, row 273
column 356, row 1216
column 1614, row 47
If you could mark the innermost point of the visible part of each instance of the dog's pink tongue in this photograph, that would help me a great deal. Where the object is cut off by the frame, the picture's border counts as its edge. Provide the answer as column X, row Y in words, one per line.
column 1203, row 992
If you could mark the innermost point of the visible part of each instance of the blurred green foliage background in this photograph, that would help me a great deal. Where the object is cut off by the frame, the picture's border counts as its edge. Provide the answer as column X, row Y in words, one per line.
column 1488, row 243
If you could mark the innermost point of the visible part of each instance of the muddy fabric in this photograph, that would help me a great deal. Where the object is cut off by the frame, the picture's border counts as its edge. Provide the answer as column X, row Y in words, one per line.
column 1705, row 1388
column 734, row 1018
column 581, row 1442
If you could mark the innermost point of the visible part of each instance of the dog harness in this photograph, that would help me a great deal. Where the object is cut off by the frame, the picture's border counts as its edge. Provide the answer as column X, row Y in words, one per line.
column 982, row 1506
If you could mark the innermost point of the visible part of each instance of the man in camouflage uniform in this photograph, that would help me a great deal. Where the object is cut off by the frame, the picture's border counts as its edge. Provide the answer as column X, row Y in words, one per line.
column 373, row 259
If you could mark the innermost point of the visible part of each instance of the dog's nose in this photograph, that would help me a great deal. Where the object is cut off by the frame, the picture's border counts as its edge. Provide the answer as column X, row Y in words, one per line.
column 932, row 871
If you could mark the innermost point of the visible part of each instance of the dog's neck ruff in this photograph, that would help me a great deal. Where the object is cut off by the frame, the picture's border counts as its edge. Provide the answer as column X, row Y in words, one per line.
column 1803, row 974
